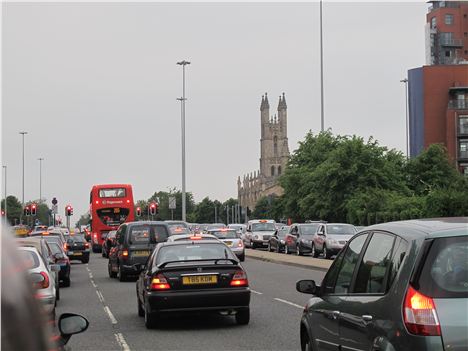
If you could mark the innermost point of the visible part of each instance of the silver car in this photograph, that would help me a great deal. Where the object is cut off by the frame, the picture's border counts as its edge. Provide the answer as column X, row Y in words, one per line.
column 42, row 278
column 330, row 238
column 232, row 239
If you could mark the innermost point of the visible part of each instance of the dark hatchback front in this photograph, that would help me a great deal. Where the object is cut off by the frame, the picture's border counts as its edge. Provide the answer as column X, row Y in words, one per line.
column 193, row 276
column 134, row 242
column 394, row 286
column 78, row 248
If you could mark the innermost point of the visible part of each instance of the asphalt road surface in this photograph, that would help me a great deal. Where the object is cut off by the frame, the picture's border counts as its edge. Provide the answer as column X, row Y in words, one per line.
column 110, row 306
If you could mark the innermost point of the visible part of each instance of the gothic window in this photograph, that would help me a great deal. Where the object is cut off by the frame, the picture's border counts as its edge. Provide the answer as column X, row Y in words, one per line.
column 279, row 170
column 272, row 171
column 275, row 146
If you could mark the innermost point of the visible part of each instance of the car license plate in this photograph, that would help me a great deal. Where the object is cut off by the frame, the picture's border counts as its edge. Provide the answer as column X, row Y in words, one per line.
column 200, row 279
column 228, row 243
column 78, row 253
column 140, row 253
column 70, row 252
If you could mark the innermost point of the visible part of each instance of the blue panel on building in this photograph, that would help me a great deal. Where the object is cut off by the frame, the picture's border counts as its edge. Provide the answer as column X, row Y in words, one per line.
column 416, row 110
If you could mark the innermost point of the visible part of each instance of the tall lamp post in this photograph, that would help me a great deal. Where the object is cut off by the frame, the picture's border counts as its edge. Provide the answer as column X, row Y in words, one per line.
column 405, row 81
column 182, row 100
column 322, row 113
column 22, row 197
column 40, row 159
column 5, row 193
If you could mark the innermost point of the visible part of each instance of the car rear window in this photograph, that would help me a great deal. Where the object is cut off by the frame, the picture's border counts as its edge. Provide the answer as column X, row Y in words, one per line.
column 201, row 251
column 309, row 229
column 55, row 248
column 445, row 270
column 178, row 229
column 78, row 238
column 29, row 259
column 142, row 234
column 224, row 234
column 345, row 229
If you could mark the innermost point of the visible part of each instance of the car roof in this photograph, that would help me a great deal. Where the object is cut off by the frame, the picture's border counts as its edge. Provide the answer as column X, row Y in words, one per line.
column 188, row 236
column 262, row 221
column 145, row 222
column 185, row 242
column 430, row 227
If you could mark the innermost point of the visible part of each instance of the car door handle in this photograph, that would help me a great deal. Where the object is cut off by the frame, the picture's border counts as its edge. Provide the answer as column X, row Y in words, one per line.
column 366, row 317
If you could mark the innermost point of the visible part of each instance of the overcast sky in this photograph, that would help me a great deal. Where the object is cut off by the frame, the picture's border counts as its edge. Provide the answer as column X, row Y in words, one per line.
column 95, row 87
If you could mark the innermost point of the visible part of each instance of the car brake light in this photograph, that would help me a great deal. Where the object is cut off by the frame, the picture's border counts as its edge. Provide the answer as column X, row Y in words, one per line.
column 239, row 279
column 125, row 253
column 42, row 282
column 159, row 283
column 65, row 246
column 420, row 314
column 87, row 245
column 195, row 238
column 240, row 244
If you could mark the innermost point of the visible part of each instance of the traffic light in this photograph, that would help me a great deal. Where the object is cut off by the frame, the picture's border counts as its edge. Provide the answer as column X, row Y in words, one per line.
column 138, row 211
column 153, row 208
column 68, row 211
column 33, row 209
column 26, row 211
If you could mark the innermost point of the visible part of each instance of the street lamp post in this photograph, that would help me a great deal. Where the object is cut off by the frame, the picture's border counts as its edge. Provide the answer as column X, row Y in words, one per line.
column 322, row 113
column 5, row 193
column 182, row 100
column 22, row 198
column 405, row 81
column 40, row 178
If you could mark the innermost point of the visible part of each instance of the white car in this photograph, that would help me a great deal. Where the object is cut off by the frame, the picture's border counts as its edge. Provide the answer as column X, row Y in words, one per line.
column 259, row 232
column 42, row 278
column 232, row 239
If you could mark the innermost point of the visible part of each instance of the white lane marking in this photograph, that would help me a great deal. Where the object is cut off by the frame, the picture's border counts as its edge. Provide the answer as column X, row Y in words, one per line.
column 289, row 303
column 91, row 275
column 87, row 269
column 111, row 316
column 94, row 284
column 121, row 341
column 100, row 297
column 256, row 292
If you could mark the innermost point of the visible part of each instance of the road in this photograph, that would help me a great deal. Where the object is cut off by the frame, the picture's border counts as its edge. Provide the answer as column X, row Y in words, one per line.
column 110, row 306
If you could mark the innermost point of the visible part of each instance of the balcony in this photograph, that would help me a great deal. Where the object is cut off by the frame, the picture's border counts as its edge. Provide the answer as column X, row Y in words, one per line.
column 458, row 104
column 453, row 43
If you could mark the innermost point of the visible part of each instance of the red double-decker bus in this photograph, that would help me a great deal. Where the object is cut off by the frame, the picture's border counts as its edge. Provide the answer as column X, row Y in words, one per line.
column 110, row 205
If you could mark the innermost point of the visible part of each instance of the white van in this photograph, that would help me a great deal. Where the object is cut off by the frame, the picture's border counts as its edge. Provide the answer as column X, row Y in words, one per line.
column 259, row 232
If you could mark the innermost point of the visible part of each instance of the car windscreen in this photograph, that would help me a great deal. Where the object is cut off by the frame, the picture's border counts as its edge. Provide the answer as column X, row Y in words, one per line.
column 146, row 233
column 29, row 259
column 282, row 232
column 445, row 270
column 344, row 229
column 308, row 229
column 200, row 251
column 224, row 234
column 178, row 229
column 263, row 227
column 55, row 248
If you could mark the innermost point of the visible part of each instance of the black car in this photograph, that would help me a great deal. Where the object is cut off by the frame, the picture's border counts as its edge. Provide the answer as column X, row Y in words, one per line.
column 78, row 248
column 61, row 259
column 300, row 238
column 277, row 240
column 108, row 243
column 193, row 276
column 134, row 242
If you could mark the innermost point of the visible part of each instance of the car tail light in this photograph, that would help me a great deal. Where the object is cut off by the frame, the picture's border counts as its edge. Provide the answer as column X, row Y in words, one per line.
column 240, row 244
column 159, row 283
column 86, row 245
column 239, row 279
column 41, row 280
column 195, row 238
column 420, row 314
column 125, row 253
column 65, row 246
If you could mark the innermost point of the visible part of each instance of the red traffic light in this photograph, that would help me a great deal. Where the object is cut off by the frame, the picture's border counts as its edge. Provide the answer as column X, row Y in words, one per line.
column 153, row 208
column 138, row 211
column 68, row 210
column 33, row 209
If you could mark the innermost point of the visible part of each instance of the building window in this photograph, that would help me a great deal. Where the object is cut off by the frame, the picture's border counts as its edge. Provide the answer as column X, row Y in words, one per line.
column 275, row 145
column 433, row 22
column 463, row 148
column 447, row 53
column 279, row 170
column 272, row 171
column 448, row 19
column 463, row 124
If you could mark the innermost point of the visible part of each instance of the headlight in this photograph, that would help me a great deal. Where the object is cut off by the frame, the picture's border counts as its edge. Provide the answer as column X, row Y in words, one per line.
column 332, row 241
column 257, row 236
column 282, row 241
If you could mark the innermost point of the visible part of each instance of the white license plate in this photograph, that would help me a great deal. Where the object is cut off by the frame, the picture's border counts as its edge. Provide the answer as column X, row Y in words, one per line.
column 70, row 252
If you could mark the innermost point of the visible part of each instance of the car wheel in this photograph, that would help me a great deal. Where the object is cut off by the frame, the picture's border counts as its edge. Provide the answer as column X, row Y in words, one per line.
column 109, row 270
column 243, row 316
column 150, row 319
column 66, row 281
column 277, row 250
column 141, row 311
column 57, row 294
column 286, row 249
column 242, row 257
column 298, row 251
column 269, row 247
column 314, row 252
column 85, row 260
column 306, row 343
column 103, row 254
column 121, row 275
column 326, row 253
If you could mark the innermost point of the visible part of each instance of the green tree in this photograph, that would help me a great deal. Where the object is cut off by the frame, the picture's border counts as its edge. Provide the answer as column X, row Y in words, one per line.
column 84, row 220
column 14, row 209
column 204, row 212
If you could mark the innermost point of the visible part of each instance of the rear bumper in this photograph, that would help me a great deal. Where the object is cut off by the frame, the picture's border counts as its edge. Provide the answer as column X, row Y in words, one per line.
column 187, row 301
column 84, row 255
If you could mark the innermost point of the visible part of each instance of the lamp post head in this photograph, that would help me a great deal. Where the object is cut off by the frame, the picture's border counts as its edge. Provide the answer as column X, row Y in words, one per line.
column 23, row 133
column 183, row 63
column 404, row 80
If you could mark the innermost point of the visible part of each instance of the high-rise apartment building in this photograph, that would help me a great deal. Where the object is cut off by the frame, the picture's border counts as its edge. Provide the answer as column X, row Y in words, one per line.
column 447, row 33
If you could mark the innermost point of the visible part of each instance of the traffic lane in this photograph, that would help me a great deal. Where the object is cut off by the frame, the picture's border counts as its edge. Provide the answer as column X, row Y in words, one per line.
column 81, row 298
column 274, row 280
column 201, row 331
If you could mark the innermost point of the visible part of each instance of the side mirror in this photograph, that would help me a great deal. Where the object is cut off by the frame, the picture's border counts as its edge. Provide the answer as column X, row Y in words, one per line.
column 307, row 287
column 119, row 238
column 70, row 323
column 55, row 268
column 59, row 256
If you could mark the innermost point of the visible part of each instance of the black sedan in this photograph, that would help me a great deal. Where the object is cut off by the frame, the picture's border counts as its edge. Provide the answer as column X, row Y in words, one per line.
column 277, row 240
column 192, row 276
column 78, row 248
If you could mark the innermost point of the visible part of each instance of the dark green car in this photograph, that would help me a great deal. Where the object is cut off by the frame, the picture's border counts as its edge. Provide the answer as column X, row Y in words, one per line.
column 394, row 286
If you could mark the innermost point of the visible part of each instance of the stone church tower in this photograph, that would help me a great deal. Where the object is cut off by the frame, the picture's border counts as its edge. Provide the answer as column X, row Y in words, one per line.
column 274, row 154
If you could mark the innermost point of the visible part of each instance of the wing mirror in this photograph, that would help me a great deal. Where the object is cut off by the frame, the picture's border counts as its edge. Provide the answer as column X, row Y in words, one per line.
column 307, row 287
column 70, row 323
column 55, row 267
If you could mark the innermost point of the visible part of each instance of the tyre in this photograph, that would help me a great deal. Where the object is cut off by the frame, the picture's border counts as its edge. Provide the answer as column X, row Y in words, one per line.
column 243, row 316
column 103, row 254
column 57, row 294
column 298, row 251
column 326, row 253
column 109, row 270
column 306, row 343
column 242, row 257
column 277, row 250
column 66, row 282
column 286, row 249
column 85, row 260
column 269, row 247
column 141, row 311
column 151, row 320
column 314, row 252
column 121, row 275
